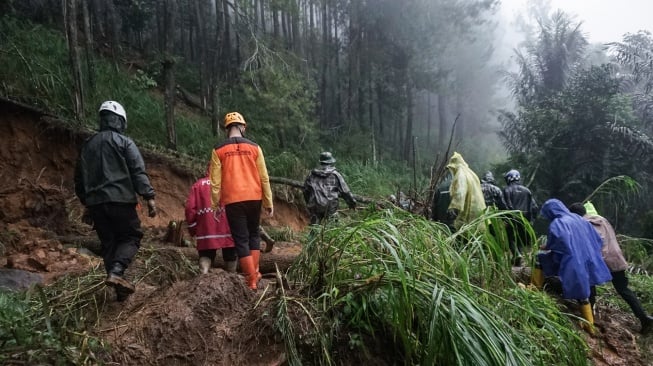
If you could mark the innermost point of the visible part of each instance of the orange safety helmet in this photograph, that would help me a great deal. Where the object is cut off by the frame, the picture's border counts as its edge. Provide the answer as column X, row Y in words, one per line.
column 234, row 117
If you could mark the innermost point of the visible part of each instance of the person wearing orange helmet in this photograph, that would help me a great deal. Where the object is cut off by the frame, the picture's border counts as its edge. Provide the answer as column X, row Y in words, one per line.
column 240, row 182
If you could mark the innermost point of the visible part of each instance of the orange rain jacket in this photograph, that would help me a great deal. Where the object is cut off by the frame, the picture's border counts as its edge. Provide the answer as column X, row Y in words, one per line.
column 238, row 173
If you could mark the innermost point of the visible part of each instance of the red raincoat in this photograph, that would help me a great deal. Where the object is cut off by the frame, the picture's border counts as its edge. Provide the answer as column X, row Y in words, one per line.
column 210, row 230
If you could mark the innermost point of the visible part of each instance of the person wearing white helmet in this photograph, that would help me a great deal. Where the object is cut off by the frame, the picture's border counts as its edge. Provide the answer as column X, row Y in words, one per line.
column 109, row 177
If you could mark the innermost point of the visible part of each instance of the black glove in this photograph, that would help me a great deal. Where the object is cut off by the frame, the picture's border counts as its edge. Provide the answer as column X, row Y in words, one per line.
column 352, row 206
column 151, row 208
column 452, row 214
column 87, row 218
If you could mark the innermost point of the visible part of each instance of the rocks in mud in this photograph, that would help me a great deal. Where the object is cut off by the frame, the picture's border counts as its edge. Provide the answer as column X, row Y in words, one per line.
column 45, row 255
column 16, row 279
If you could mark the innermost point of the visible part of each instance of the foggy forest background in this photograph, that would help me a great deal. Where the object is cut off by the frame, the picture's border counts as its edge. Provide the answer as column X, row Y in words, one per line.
column 384, row 84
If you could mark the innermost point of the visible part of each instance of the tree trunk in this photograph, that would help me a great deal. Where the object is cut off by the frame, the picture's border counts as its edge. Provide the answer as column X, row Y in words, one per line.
column 442, row 116
column 114, row 32
column 160, row 26
column 275, row 21
column 284, row 28
column 98, row 19
column 169, row 73
column 409, row 120
column 237, row 33
column 325, row 66
column 215, row 108
column 380, row 96
column 262, row 15
column 311, row 35
column 201, row 46
column 217, row 73
column 295, row 34
column 255, row 20
column 460, row 125
column 336, row 68
column 428, row 119
column 70, row 18
column 88, row 45
column 266, row 264
column 370, row 88
column 226, row 39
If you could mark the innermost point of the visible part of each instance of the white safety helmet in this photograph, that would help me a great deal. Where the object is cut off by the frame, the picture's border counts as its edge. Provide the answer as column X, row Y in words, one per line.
column 114, row 107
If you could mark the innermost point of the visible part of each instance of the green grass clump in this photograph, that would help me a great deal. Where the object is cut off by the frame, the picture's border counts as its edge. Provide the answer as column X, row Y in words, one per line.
column 47, row 325
column 435, row 297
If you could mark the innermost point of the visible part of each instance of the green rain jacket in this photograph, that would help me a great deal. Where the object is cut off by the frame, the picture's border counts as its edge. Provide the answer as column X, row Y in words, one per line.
column 466, row 194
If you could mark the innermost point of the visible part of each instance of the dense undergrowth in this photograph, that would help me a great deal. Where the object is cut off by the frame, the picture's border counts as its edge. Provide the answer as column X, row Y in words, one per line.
column 434, row 297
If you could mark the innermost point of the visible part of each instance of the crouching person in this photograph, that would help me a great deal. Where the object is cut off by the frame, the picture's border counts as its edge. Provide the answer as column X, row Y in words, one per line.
column 210, row 228
column 615, row 260
column 573, row 253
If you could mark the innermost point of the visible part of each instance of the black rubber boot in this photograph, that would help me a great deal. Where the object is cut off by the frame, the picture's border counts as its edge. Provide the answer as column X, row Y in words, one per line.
column 647, row 325
column 117, row 269
column 115, row 279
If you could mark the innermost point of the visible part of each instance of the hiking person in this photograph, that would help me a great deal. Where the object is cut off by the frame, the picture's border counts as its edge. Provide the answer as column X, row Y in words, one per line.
column 322, row 188
column 493, row 200
column 240, row 182
column 492, row 193
column 573, row 253
column 518, row 198
column 109, row 175
column 615, row 261
column 441, row 201
column 210, row 228
column 467, row 202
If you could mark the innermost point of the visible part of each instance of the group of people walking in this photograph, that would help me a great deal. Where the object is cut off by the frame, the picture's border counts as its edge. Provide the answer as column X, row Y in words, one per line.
column 466, row 197
column 223, row 211
column 581, row 249
column 223, row 208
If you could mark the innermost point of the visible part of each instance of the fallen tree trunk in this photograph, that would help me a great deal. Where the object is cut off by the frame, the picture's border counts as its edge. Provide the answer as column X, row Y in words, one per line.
column 191, row 99
column 300, row 185
column 266, row 265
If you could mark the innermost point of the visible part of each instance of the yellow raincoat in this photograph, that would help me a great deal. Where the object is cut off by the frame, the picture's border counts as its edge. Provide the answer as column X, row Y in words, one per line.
column 466, row 194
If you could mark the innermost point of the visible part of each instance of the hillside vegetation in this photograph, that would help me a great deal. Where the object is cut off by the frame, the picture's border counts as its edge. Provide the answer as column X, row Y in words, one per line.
column 381, row 285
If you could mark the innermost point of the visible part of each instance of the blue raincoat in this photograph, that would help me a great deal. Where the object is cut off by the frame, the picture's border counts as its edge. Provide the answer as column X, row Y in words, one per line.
column 575, row 252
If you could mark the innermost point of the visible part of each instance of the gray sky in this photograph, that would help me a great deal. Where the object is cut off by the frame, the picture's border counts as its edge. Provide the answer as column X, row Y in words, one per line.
column 603, row 20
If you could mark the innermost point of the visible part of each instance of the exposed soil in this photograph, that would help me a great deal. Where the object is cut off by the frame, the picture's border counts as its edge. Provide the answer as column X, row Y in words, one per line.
column 217, row 321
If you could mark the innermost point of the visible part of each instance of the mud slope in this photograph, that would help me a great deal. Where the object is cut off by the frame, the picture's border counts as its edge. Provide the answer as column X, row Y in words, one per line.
column 38, row 157
column 214, row 323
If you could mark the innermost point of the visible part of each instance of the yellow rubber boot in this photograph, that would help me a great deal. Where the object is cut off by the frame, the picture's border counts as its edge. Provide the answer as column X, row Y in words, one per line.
column 537, row 278
column 587, row 314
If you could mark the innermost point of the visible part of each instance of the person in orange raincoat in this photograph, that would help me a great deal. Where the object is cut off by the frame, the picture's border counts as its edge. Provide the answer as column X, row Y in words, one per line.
column 240, row 182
